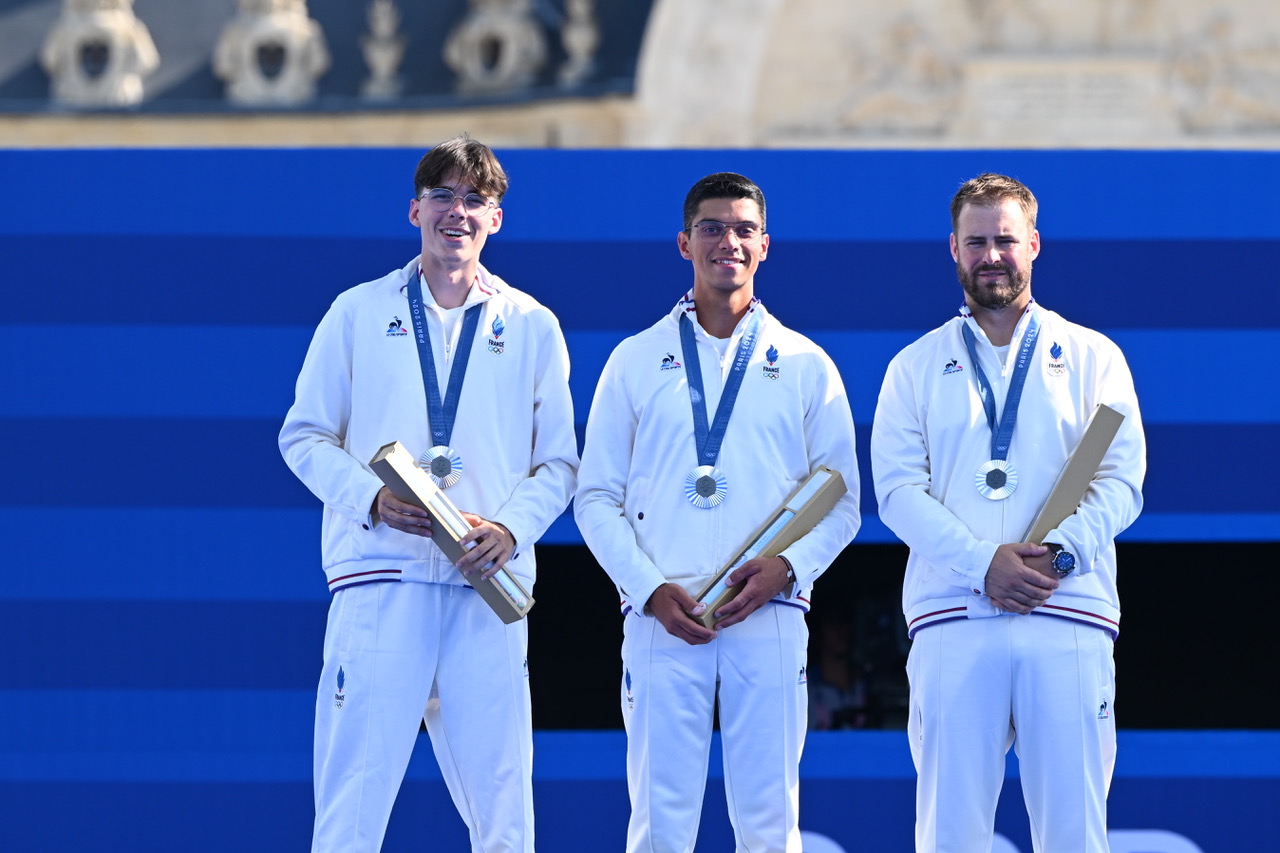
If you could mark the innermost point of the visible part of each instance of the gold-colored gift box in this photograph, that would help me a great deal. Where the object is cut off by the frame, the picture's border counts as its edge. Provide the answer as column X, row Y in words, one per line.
column 798, row 514
column 400, row 471
column 1077, row 473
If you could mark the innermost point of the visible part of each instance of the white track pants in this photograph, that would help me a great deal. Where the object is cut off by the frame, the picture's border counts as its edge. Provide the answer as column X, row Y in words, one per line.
column 669, row 691
column 398, row 653
column 1043, row 684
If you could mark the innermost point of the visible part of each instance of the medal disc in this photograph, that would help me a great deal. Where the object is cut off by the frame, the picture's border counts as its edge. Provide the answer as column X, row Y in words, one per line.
column 443, row 464
column 996, row 479
column 705, row 487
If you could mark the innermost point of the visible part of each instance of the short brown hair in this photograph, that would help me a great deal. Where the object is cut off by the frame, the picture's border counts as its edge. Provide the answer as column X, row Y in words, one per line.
column 473, row 161
column 989, row 190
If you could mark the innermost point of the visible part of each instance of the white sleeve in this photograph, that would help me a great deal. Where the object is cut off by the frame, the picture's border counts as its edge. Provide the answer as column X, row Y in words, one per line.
column 900, row 469
column 539, row 499
column 829, row 435
column 1114, row 498
column 312, row 439
column 602, row 486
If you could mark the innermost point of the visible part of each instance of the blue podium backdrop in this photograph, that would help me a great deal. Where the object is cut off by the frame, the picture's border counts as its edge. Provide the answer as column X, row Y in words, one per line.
column 159, row 303
column 163, row 604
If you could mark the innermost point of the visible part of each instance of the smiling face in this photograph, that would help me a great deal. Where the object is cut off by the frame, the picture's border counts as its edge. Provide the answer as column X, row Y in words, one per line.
column 724, row 267
column 994, row 247
column 452, row 239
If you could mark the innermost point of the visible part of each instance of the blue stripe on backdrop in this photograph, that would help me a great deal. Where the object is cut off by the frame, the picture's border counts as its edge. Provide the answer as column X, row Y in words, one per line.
column 848, row 283
column 167, row 371
column 163, row 817
column 162, row 553
column 1199, row 527
column 163, row 462
column 231, row 789
column 1189, row 376
column 248, row 372
column 163, row 645
column 176, row 734
column 147, row 462
column 872, row 195
column 219, row 555
column 1178, row 815
column 61, row 743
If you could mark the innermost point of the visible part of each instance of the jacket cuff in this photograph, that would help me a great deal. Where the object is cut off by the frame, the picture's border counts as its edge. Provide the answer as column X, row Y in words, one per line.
column 366, row 519
column 975, row 575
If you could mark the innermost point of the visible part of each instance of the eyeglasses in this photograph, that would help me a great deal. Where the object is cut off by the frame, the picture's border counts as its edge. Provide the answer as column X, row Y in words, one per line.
column 710, row 231
column 441, row 199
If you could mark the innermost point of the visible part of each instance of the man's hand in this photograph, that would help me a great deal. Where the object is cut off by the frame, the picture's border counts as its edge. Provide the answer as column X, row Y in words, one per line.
column 397, row 514
column 1015, row 585
column 764, row 577
column 494, row 546
column 671, row 605
column 1043, row 564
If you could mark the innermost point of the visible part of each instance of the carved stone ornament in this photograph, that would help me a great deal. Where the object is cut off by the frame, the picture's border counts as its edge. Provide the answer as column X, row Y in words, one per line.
column 985, row 73
column 1221, row 86
column 271, row 54
column 97, row 54
column 912, row 89
column 580, row 36
column 497, row 48
column 383, row 51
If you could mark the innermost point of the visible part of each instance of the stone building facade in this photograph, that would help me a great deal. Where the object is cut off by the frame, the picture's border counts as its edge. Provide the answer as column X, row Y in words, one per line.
column 633, row 73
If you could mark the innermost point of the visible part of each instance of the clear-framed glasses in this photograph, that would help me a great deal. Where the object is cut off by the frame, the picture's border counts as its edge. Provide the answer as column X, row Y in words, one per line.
column 442, row 198
column 711, row 231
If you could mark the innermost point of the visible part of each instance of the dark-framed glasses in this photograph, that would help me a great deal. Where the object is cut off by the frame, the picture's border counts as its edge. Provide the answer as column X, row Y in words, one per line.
column 711, row 231
column 441, row 199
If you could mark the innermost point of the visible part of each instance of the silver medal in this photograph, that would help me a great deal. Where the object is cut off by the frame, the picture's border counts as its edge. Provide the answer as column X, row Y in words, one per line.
column 996, row 479
column 443, row 464
column 706, row 487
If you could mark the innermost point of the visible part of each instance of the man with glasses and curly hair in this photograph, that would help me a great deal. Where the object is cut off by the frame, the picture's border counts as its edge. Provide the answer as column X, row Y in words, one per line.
column 671, row 486
column 472, row 375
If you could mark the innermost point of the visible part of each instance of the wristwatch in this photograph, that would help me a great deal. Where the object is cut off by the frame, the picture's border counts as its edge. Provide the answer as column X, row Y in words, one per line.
column 1064, row 562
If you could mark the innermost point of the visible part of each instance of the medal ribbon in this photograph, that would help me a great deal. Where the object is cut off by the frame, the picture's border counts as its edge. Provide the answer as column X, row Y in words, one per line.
column 1002, row 433
column 441, row 415
column 709, row 438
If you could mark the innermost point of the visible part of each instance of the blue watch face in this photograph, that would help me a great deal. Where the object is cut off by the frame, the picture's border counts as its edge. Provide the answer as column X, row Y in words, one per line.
column 1063, row 562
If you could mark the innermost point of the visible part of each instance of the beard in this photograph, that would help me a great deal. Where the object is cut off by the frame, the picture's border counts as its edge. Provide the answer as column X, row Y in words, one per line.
column 993, row 297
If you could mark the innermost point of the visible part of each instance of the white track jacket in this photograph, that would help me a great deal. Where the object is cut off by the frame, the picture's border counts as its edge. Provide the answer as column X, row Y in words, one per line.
column 792, row 415
column 930, row 435
column 361, row 387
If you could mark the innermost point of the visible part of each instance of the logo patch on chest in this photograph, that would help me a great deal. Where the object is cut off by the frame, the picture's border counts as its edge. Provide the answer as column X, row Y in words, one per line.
column 496, row 346
column 1056, row 365
column 770, row 370
column 340, row 696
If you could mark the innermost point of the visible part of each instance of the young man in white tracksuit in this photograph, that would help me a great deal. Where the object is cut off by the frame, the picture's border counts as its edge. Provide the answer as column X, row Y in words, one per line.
column 664, row 504
column 408, row 638
column 1011, row 639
